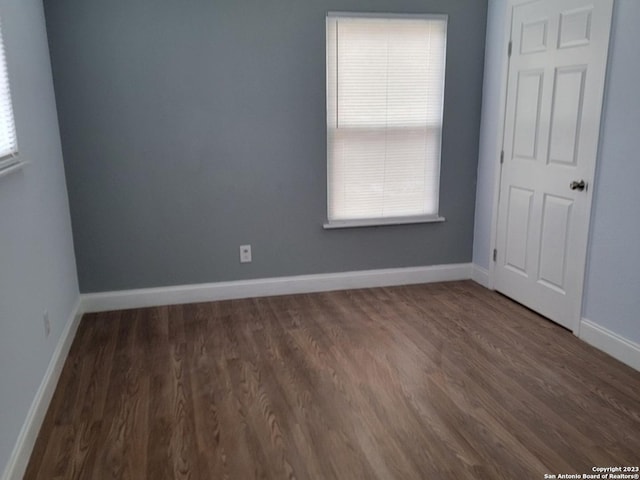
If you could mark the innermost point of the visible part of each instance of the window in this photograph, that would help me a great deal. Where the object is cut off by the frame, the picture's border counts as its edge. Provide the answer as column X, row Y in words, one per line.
column 8, row 144
column 385, row 87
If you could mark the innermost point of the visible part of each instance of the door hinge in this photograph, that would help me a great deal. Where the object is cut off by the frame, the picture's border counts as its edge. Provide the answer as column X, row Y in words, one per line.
column 495, row 254
column 501, row 157
column 510, row 47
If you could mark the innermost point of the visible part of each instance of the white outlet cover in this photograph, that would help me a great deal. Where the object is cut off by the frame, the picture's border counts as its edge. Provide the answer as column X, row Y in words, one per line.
column 245, row 254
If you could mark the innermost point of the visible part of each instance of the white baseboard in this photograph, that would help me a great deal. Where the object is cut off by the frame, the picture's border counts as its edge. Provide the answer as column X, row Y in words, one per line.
column 480, row 275
column 609, row 342
column 148, row 297
column 19, row 458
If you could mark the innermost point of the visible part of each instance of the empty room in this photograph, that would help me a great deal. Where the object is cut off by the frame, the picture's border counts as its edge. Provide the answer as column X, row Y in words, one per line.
column 319, row 239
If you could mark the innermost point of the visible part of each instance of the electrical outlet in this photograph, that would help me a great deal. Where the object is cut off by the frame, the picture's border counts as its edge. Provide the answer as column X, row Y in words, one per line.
column 245, row 253
column 47, row 324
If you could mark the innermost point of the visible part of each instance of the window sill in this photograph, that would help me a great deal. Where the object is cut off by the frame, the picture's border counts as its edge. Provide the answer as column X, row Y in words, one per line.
column 12, row 167
column 381, row 222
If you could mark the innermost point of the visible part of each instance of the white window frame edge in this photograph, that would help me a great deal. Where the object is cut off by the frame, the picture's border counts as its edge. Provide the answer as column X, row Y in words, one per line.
column 381, row 222
column 12, row 167
column 12, row 162
column 382, row 15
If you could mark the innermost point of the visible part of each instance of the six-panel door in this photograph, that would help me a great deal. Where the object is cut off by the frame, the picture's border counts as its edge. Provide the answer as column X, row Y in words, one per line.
column 554, row 101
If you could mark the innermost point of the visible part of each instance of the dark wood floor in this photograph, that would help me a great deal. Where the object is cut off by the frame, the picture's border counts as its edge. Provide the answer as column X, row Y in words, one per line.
column 421, row 382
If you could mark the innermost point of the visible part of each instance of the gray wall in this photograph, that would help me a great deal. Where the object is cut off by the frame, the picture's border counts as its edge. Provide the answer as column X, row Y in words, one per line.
column 37, row 267
column 612, row 288
column 192, row 127
column 489, row 130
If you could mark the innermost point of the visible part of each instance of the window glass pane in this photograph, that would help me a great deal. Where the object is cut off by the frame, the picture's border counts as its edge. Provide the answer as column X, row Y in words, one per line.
column 385, row 80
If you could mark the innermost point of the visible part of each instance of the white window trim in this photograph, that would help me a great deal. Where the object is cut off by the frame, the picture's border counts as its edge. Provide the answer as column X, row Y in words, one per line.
column 12, row 167
column 11, row 162
column 387, row 221
column 381, row 222
column 426, row 16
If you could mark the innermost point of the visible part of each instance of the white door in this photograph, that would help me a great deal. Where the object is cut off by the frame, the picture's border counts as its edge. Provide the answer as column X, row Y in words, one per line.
column 552, row 120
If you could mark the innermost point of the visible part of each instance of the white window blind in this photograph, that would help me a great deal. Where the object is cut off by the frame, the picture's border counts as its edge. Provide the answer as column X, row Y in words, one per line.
column 8, row 144
column 385, row 86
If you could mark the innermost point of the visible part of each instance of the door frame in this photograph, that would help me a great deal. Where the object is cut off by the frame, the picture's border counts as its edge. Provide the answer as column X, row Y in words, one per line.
column 499, row 146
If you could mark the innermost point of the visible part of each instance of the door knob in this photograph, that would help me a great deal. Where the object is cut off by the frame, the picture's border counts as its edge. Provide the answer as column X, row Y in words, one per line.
column 578, row 185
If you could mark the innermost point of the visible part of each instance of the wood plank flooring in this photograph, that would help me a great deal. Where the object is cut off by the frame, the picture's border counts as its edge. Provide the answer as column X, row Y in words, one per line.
column 441, row 381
